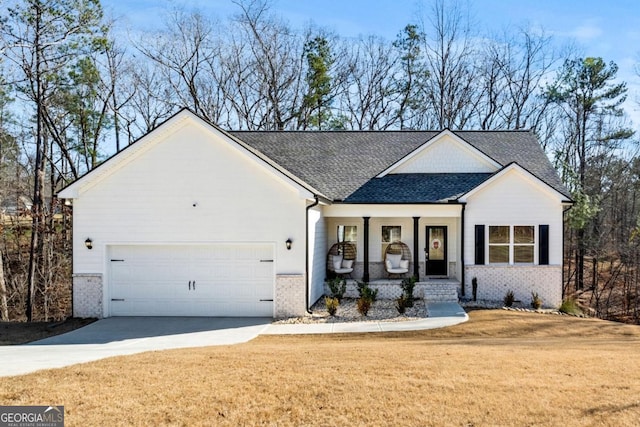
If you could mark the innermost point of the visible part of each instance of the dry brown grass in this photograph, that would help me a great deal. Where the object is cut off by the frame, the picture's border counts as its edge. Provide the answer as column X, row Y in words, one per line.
column 500, row 368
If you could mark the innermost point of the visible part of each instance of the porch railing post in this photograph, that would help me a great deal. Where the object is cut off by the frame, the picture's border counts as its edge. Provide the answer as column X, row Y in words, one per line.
column 365, row 274
column 416, row 248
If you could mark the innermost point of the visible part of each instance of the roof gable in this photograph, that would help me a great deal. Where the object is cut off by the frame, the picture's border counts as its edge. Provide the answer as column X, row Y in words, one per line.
column 509, row 172
column 444, row 153
column 176, row 123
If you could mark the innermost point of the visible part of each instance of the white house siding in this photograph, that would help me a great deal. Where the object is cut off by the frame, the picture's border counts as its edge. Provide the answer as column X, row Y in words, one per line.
column 317, row 253
column 515, row 199
column 193, row 186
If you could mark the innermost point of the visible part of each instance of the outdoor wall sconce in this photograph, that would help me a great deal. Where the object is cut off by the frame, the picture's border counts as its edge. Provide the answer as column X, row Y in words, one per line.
column 288, row 243
column 88, row 243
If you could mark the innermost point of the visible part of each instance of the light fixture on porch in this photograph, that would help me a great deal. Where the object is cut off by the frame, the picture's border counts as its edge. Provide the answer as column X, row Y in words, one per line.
column 288, row 243
column 88, row 243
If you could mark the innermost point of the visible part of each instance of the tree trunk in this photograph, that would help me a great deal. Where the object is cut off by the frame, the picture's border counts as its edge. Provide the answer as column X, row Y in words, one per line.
column 4, row 310
column 38, row 181
column 580, row 253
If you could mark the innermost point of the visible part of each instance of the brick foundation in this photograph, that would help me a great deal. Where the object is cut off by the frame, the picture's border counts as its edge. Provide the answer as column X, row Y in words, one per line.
column 87, row 295
column 495, row 281
column 290, row 297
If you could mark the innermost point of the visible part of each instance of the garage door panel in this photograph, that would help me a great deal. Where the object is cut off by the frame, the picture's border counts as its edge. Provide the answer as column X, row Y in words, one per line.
column 192, row 280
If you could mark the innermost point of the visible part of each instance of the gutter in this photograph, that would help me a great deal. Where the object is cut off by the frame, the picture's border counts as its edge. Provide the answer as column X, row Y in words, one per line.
column 307, row 288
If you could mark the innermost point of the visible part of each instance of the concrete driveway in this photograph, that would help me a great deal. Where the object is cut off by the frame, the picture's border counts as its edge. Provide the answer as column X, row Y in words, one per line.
column 118, row 336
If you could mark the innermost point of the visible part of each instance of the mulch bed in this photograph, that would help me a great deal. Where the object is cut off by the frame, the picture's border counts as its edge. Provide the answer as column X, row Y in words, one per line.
column 13, row 333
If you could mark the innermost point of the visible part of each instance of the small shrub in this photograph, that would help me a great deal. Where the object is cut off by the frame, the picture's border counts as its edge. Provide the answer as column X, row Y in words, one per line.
column 332, row 305
column 407, row 288
column 367, row 292
column 509, row 298
column 536, row 301
column 337, row 287
column 364, row 304
column 401, row 303
column 570, row 306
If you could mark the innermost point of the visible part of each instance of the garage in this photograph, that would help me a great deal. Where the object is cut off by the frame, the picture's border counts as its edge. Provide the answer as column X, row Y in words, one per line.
column 218, row 280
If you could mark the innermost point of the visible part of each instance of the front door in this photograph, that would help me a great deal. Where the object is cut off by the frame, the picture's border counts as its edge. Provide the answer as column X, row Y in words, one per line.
column 436, row 251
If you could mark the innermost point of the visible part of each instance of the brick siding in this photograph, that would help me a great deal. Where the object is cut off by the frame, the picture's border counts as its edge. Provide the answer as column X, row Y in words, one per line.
column 495, row 281
column 87, row 295
column 290, row 298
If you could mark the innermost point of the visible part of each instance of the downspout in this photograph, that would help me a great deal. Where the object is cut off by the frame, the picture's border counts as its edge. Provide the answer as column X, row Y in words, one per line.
column 464, row 205
column 307, row 268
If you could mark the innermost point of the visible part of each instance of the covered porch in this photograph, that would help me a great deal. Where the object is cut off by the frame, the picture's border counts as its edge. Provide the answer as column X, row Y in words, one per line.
column 432, row 234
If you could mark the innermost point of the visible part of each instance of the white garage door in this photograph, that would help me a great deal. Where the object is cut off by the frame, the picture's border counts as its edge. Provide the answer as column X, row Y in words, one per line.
column 186, row 280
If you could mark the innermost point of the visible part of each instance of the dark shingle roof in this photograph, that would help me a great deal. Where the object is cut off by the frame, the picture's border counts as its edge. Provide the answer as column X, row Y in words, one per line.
column 338, row 163
column 417, row 187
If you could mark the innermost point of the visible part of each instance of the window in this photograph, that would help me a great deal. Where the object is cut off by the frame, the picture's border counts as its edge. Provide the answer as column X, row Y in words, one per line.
column 499, row 244
column 523, row 243
column 511, row 244
column 391, row 233
column 348, row 233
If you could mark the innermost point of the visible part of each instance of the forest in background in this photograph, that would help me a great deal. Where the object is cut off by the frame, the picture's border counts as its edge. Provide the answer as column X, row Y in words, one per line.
column 74, row 89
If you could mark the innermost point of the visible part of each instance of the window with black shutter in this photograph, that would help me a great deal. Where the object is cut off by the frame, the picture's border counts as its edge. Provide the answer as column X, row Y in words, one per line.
column 543, row 245
column 479, row 247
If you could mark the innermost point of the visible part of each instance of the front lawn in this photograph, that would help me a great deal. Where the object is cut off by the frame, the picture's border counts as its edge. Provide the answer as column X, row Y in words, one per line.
column 500, row 368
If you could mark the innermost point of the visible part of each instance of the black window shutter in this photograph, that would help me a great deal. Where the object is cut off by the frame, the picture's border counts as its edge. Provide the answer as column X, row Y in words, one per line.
column 479, row 258
column 543, row 245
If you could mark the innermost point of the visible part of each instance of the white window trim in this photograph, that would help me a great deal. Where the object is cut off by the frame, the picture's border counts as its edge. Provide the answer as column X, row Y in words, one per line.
column 512, row 244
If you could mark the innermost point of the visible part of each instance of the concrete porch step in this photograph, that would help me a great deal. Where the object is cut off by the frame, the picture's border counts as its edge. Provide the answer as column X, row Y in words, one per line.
column 439, row 292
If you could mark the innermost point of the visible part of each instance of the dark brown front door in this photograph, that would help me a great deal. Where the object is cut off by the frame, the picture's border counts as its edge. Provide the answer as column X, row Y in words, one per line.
column 436, row 251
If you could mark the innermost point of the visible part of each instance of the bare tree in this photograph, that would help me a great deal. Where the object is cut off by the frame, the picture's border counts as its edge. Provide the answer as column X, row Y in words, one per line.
column 368, row 94
column 183, row 52
column 274, row 54
column 450, row 56
column 149, row 104
column 524, row 62
column 116, row 77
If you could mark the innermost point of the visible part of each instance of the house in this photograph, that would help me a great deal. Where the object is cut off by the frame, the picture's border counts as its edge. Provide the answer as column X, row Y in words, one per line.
column 15, row 205
column 191, row 220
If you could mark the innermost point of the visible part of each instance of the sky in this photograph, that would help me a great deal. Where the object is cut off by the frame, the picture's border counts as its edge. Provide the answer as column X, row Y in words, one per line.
column 609, row 29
